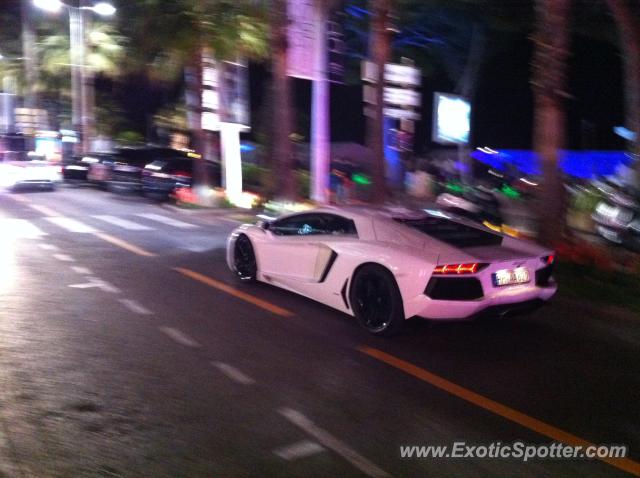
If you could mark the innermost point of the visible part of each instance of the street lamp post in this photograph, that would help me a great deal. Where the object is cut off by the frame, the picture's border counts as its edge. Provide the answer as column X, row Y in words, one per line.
column 81, row 94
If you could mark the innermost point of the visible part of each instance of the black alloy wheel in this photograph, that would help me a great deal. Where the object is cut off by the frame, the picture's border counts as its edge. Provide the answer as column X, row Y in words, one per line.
column 376, row 300
column 244, row 259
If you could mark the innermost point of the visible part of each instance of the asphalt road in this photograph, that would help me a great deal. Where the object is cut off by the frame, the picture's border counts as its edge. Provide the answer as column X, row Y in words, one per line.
column 128, row 349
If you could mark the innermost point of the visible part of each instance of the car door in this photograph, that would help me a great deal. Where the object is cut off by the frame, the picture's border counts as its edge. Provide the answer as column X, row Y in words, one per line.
column 289, row 254
column 298, row 250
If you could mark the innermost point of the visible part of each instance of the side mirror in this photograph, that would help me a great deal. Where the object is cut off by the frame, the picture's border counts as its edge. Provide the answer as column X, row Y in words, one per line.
column 264, row 225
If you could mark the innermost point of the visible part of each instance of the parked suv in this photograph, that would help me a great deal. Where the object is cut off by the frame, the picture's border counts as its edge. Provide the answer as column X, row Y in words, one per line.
column 126, row 176
column 163, row 176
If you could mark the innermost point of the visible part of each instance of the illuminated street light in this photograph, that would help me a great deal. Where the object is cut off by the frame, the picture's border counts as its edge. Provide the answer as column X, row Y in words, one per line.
column 104, row 9
column 52, row 6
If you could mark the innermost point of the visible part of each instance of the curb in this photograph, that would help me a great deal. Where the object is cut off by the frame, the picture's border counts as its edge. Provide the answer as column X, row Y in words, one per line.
column 204, row 210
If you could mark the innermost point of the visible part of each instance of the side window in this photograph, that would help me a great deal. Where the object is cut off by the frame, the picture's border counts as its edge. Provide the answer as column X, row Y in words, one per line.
column 301, row 225
column 339, row 226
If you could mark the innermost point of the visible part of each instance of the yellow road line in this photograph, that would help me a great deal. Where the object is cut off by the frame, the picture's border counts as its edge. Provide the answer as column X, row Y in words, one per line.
column 124, row 244
column 492, row 406
column 263, row 304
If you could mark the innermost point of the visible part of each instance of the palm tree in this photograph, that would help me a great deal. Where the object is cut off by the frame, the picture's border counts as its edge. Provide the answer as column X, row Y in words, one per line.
column 549, row 82
column 174, row 37
column 104, row 54
column 379, row 53
column 282, row 118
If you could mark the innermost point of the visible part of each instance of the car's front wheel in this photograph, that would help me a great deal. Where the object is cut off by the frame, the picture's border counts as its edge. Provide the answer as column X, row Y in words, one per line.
column 376, row 300
column 244, row 259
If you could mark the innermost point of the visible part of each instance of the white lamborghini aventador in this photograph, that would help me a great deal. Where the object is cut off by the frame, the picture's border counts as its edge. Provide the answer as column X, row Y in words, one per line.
column 385, row 266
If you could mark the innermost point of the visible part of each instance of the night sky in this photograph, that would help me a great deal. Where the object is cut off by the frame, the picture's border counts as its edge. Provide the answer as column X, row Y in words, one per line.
column 502, row 113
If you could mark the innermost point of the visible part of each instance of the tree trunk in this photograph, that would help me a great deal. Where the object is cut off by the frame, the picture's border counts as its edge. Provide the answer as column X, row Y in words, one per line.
column 194, row 106
column 29, row 52
column 549, row 82
column 283, row 159
column 466, row 87
column 87, row 89
column 379, row 53
column 629, row 35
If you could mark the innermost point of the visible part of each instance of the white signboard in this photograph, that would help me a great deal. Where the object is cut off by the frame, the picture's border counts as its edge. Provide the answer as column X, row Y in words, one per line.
column 401, row 97
column 451, row 119
column 401, row 114
column 301, row 38
column 402, row 74
column 393, row 96
column 396, row 73
column 210, row 100
column 395, row 113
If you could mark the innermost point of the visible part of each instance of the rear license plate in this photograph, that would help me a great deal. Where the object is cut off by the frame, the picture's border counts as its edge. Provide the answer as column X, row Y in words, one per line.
column 519, row 275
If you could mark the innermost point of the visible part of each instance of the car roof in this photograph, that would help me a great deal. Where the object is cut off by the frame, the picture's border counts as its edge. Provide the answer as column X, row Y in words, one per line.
column 369, row 212
column 388, row 218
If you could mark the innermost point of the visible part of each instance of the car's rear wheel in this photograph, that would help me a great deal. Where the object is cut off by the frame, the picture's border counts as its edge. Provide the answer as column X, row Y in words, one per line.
column 244, row 259
column 376, row 300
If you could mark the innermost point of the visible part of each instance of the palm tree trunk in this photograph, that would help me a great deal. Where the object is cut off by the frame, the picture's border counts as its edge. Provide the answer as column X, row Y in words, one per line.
column 194, row 94
column 282, row 151
column 29, row 53
column 87, row 90
column 379, row 52
column 549, row 82
column 629, row 35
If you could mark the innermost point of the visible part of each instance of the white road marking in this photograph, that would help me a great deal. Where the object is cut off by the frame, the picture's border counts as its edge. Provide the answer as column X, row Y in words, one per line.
column 64, row 257
column 48, row 247
column 71, row 224
column 233, row 373
column 180, row 337
column 44, row 210
column 96, row 283
column 299, row 450
column 21, row 199
column 332, row 443
column 123, row 223
column 81, row 270
column 135, row 307
column 20, row 228
column 167, row 220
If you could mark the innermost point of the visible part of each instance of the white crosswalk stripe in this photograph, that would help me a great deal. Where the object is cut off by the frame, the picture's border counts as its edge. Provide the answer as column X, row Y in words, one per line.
column 167, row 220
column 71, row 225
column 123, row 223
column 20, row 228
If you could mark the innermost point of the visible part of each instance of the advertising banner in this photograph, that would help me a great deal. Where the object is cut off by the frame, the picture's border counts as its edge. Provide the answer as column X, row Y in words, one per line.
column 301, row 38
column 451, row 119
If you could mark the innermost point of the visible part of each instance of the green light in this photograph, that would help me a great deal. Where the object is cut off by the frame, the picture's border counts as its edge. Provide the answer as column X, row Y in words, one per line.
column 360, row 179
column 455, row 187
column 510, row 192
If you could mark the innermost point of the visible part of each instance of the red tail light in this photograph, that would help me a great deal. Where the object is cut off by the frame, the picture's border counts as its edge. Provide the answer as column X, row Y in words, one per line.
column 548, row 259
column 470, row 268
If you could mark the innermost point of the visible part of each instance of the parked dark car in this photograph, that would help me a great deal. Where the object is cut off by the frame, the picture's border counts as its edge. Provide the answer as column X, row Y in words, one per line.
column 163, row 176
column 90, row 168
column 617, row 218
column 126, row 175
